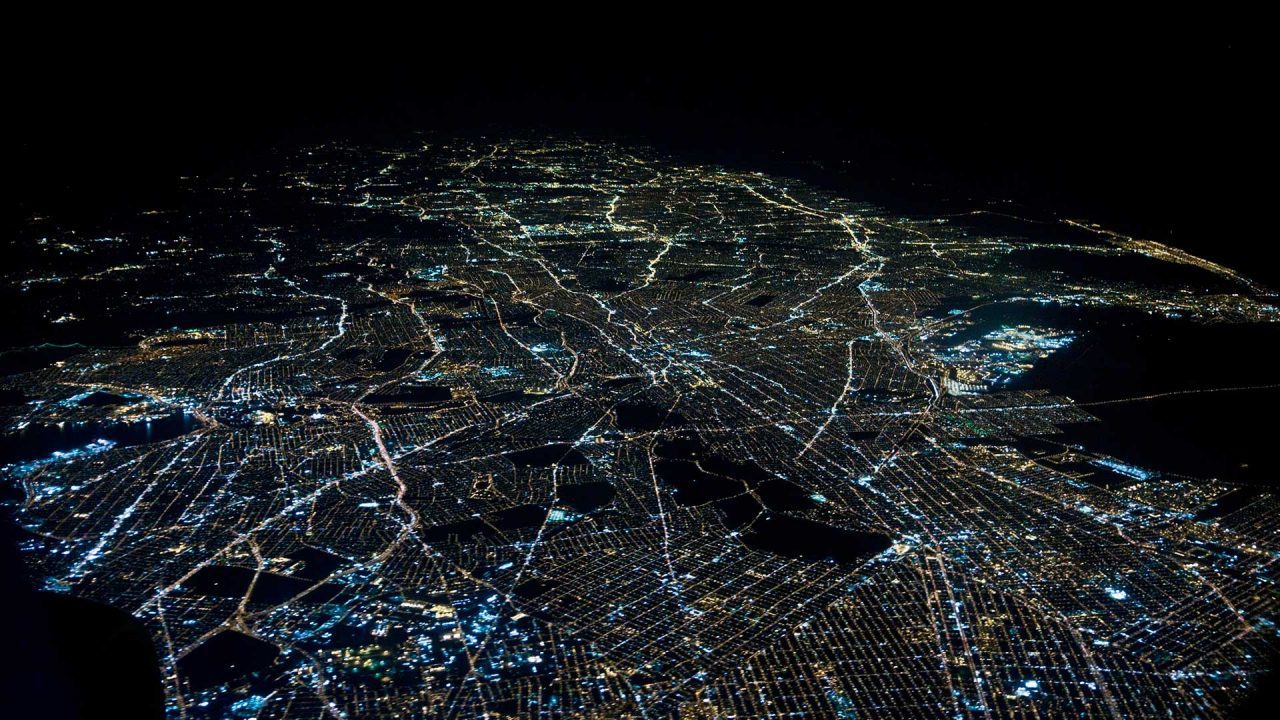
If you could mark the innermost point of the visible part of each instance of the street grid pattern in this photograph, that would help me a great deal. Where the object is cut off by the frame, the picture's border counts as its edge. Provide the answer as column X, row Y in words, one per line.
column 454, row 426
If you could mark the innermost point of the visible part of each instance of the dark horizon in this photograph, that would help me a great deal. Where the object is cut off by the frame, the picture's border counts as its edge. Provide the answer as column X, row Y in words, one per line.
column 1155, row 135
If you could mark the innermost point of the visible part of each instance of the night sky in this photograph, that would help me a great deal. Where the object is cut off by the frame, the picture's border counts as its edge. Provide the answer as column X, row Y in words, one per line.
column 1162, row 133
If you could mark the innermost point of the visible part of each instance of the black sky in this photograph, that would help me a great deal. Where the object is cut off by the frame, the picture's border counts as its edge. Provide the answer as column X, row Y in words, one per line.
column 1164, row 133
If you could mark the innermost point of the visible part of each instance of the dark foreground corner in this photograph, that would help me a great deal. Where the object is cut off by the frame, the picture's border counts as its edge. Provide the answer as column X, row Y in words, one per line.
column 67, row 658
column 1263, row 701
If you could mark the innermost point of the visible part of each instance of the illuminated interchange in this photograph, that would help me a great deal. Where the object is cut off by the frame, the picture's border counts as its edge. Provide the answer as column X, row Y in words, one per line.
column 561, row 429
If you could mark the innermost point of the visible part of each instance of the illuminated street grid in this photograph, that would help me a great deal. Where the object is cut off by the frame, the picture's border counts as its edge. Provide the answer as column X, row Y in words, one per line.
column 561, row 429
